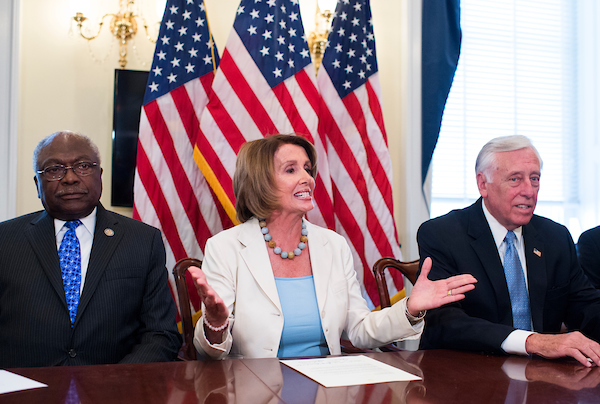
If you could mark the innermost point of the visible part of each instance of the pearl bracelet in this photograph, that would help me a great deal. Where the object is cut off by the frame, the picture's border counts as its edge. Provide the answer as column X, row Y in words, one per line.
column 213, row 328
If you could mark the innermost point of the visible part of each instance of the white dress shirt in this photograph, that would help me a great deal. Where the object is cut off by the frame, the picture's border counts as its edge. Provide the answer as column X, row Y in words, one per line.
column 85, row 234
column 515, row 342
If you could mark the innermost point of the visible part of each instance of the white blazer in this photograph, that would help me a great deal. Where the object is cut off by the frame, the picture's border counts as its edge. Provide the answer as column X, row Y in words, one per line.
column 236, row 264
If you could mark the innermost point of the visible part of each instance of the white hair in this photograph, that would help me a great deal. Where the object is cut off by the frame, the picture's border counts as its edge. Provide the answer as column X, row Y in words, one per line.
column 486, row 159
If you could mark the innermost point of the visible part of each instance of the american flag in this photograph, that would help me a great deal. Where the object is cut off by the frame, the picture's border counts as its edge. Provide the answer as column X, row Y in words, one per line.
column 265, row 84
column 352, row 121
column 170, row 191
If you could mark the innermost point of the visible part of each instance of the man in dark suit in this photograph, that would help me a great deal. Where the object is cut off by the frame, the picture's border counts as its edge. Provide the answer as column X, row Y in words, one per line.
column 588, row 250
column 524, row 314
column 80, row 285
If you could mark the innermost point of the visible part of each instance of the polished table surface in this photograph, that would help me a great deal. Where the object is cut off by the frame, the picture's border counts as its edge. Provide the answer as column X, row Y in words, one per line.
column 448, row 377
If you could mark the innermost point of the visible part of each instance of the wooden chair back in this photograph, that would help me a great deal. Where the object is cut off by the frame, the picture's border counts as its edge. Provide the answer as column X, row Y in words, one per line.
column 188, row 351
column 409, row 270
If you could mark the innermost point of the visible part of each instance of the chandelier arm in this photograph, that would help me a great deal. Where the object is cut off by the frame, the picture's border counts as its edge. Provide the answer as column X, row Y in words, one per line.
column 80, row 19
column 145, row 24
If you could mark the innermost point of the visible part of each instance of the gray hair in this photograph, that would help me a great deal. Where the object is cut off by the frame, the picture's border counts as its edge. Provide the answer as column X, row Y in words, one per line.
column 486, row 158
column 48, row 139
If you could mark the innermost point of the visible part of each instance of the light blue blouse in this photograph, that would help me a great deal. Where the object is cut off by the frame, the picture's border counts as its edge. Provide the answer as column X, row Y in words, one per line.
column 302, row 331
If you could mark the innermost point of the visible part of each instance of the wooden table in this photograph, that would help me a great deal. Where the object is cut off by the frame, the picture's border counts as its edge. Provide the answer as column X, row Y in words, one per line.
column 448, row 377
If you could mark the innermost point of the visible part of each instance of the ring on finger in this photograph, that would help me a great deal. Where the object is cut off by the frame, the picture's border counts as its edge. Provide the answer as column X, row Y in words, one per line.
column 450, row 292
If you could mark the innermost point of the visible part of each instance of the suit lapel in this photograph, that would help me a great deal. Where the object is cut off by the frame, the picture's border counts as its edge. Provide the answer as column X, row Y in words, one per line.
column 536, row 273
column 482, row 242
column 103, row 247
column 320, row 261
column 42, row 238
column 256, row 258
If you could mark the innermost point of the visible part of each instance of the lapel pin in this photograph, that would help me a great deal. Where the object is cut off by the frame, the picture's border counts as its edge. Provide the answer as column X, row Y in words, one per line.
column 111, row 232
column 537, row 252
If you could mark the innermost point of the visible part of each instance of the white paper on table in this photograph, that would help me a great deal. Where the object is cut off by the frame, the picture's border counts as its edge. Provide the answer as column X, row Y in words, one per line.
column 10, row 382
column 339, row 371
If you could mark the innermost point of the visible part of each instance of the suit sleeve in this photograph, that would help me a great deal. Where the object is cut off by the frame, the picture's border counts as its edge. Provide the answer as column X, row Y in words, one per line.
column 158, row 339
column 583, row 311
column 366, row 328
column 464, row 325
column 588, row 248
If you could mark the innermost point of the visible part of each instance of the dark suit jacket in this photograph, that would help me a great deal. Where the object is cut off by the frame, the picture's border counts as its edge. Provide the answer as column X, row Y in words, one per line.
column 588, row 249
column 462, row 242
column 125, row 313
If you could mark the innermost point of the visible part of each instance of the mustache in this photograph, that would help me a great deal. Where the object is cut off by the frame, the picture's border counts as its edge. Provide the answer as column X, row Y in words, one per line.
column 70, row 190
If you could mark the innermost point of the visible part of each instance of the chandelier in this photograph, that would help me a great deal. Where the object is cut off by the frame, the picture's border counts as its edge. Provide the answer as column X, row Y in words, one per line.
column 123, row 25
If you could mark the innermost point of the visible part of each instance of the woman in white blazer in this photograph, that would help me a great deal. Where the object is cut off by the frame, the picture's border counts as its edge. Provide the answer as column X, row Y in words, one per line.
column 277, row 285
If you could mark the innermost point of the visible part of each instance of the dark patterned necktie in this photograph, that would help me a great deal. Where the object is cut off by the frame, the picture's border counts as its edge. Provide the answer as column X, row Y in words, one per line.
column 69, row 254
column 517, row 288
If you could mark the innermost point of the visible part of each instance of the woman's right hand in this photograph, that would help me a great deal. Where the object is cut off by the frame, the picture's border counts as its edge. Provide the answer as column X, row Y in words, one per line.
column 215, row 311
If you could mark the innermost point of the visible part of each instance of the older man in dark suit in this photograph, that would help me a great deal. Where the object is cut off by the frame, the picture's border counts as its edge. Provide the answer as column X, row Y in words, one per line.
column 529, row 279
column 80, row 285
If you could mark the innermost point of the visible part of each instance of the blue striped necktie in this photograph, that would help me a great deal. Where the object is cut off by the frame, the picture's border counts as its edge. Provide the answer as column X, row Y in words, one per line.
column 69, row 254
column 517, row 289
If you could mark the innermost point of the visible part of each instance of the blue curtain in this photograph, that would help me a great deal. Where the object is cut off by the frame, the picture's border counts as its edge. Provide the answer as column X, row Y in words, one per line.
column 441, row 37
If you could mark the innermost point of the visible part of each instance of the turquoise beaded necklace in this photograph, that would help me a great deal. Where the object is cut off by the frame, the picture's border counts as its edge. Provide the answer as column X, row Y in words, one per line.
column 276, row 249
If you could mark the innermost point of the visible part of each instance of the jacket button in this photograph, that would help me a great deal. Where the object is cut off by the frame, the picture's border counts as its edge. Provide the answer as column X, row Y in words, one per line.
column 72, row 353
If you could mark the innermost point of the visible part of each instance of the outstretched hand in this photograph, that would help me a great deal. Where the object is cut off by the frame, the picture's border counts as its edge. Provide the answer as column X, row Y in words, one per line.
column 215, row 311
column 428, row 294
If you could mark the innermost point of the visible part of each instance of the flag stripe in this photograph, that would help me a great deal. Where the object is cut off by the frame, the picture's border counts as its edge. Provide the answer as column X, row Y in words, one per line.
column 184, row 188
column 185, row 109
column 169, row 202
column 309, row 89
column 353, row 169
column 218, row 174
column 250, row 101
column 289, row 107
column 379, row 175
column 375, row 109
column 355, row 234
column 159, row 202
column 167, row 148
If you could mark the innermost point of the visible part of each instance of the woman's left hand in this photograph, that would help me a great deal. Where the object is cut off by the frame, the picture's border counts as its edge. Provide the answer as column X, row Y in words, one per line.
column 428, row 294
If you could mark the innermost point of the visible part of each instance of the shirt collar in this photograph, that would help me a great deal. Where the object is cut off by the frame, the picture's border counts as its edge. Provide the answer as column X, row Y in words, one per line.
column 499, row 231
column 89, row 222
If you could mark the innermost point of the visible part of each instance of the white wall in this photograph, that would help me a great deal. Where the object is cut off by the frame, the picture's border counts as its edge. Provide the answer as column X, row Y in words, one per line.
column 61, row 86
column 8, row 96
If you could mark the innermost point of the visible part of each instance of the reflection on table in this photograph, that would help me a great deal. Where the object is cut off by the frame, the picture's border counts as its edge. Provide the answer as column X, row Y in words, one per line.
column 448, row 377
